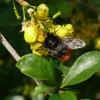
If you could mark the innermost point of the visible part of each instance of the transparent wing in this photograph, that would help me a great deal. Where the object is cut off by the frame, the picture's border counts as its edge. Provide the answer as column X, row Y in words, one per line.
column 74, row 43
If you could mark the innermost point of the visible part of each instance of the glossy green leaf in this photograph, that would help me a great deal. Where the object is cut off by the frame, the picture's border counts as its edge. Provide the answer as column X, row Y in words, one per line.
column 55, row 97
column 64, row 69
column 84, row 67
column 37, row 67
column 68, row 95
column 41, row 88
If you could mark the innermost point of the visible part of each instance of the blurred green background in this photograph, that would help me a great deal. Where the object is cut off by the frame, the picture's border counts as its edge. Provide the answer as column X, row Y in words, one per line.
column 84, row 16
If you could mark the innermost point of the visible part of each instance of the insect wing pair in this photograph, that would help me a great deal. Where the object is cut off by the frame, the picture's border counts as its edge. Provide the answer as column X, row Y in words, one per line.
column 62, row 48
column 73, row 43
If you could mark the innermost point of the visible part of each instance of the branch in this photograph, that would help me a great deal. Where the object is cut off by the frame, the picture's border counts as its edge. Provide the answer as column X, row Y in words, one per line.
column 7, row 45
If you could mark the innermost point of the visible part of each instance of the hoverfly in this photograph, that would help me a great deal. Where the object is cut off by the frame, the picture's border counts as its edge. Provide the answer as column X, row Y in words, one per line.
column 62, row 48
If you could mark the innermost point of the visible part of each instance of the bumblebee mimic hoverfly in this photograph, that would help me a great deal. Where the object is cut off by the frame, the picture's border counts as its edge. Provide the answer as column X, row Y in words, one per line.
column 62, row 48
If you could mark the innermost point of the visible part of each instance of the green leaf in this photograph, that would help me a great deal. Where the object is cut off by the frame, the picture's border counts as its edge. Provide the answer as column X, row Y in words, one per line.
column 37, row 67
column 67, row 95
column 84, row 67
column 55, row 97
column 41, row 88
column 64, row 69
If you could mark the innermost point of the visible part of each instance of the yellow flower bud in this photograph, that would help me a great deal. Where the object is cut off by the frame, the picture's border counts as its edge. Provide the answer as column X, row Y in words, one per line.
column 61, row 33
column 48, row 23
column 35, row 46
column 40, row 37
column 69, row 28
column 42, row 11
column 57, row 27
column 42, row 52
column 38, row 49
column 52, row 29
column 30, row 34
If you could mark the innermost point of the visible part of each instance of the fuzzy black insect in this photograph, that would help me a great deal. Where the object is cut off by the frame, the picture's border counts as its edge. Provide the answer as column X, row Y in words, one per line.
column 62, row 48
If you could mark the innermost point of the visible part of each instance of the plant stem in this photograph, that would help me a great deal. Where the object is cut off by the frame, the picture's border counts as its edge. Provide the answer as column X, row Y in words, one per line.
column 7, row 45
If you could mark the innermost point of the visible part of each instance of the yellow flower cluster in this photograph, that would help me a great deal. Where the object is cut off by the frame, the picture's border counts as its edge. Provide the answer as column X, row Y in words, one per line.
column 65, row 30
column 35, row 37
column 39, row 25
column 42, row 11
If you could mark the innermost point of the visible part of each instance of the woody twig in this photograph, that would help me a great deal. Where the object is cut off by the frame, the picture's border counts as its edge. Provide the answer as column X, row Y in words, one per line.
column 7, row 45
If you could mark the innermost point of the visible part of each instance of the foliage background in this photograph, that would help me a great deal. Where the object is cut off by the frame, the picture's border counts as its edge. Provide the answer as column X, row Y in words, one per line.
column 85, row 17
